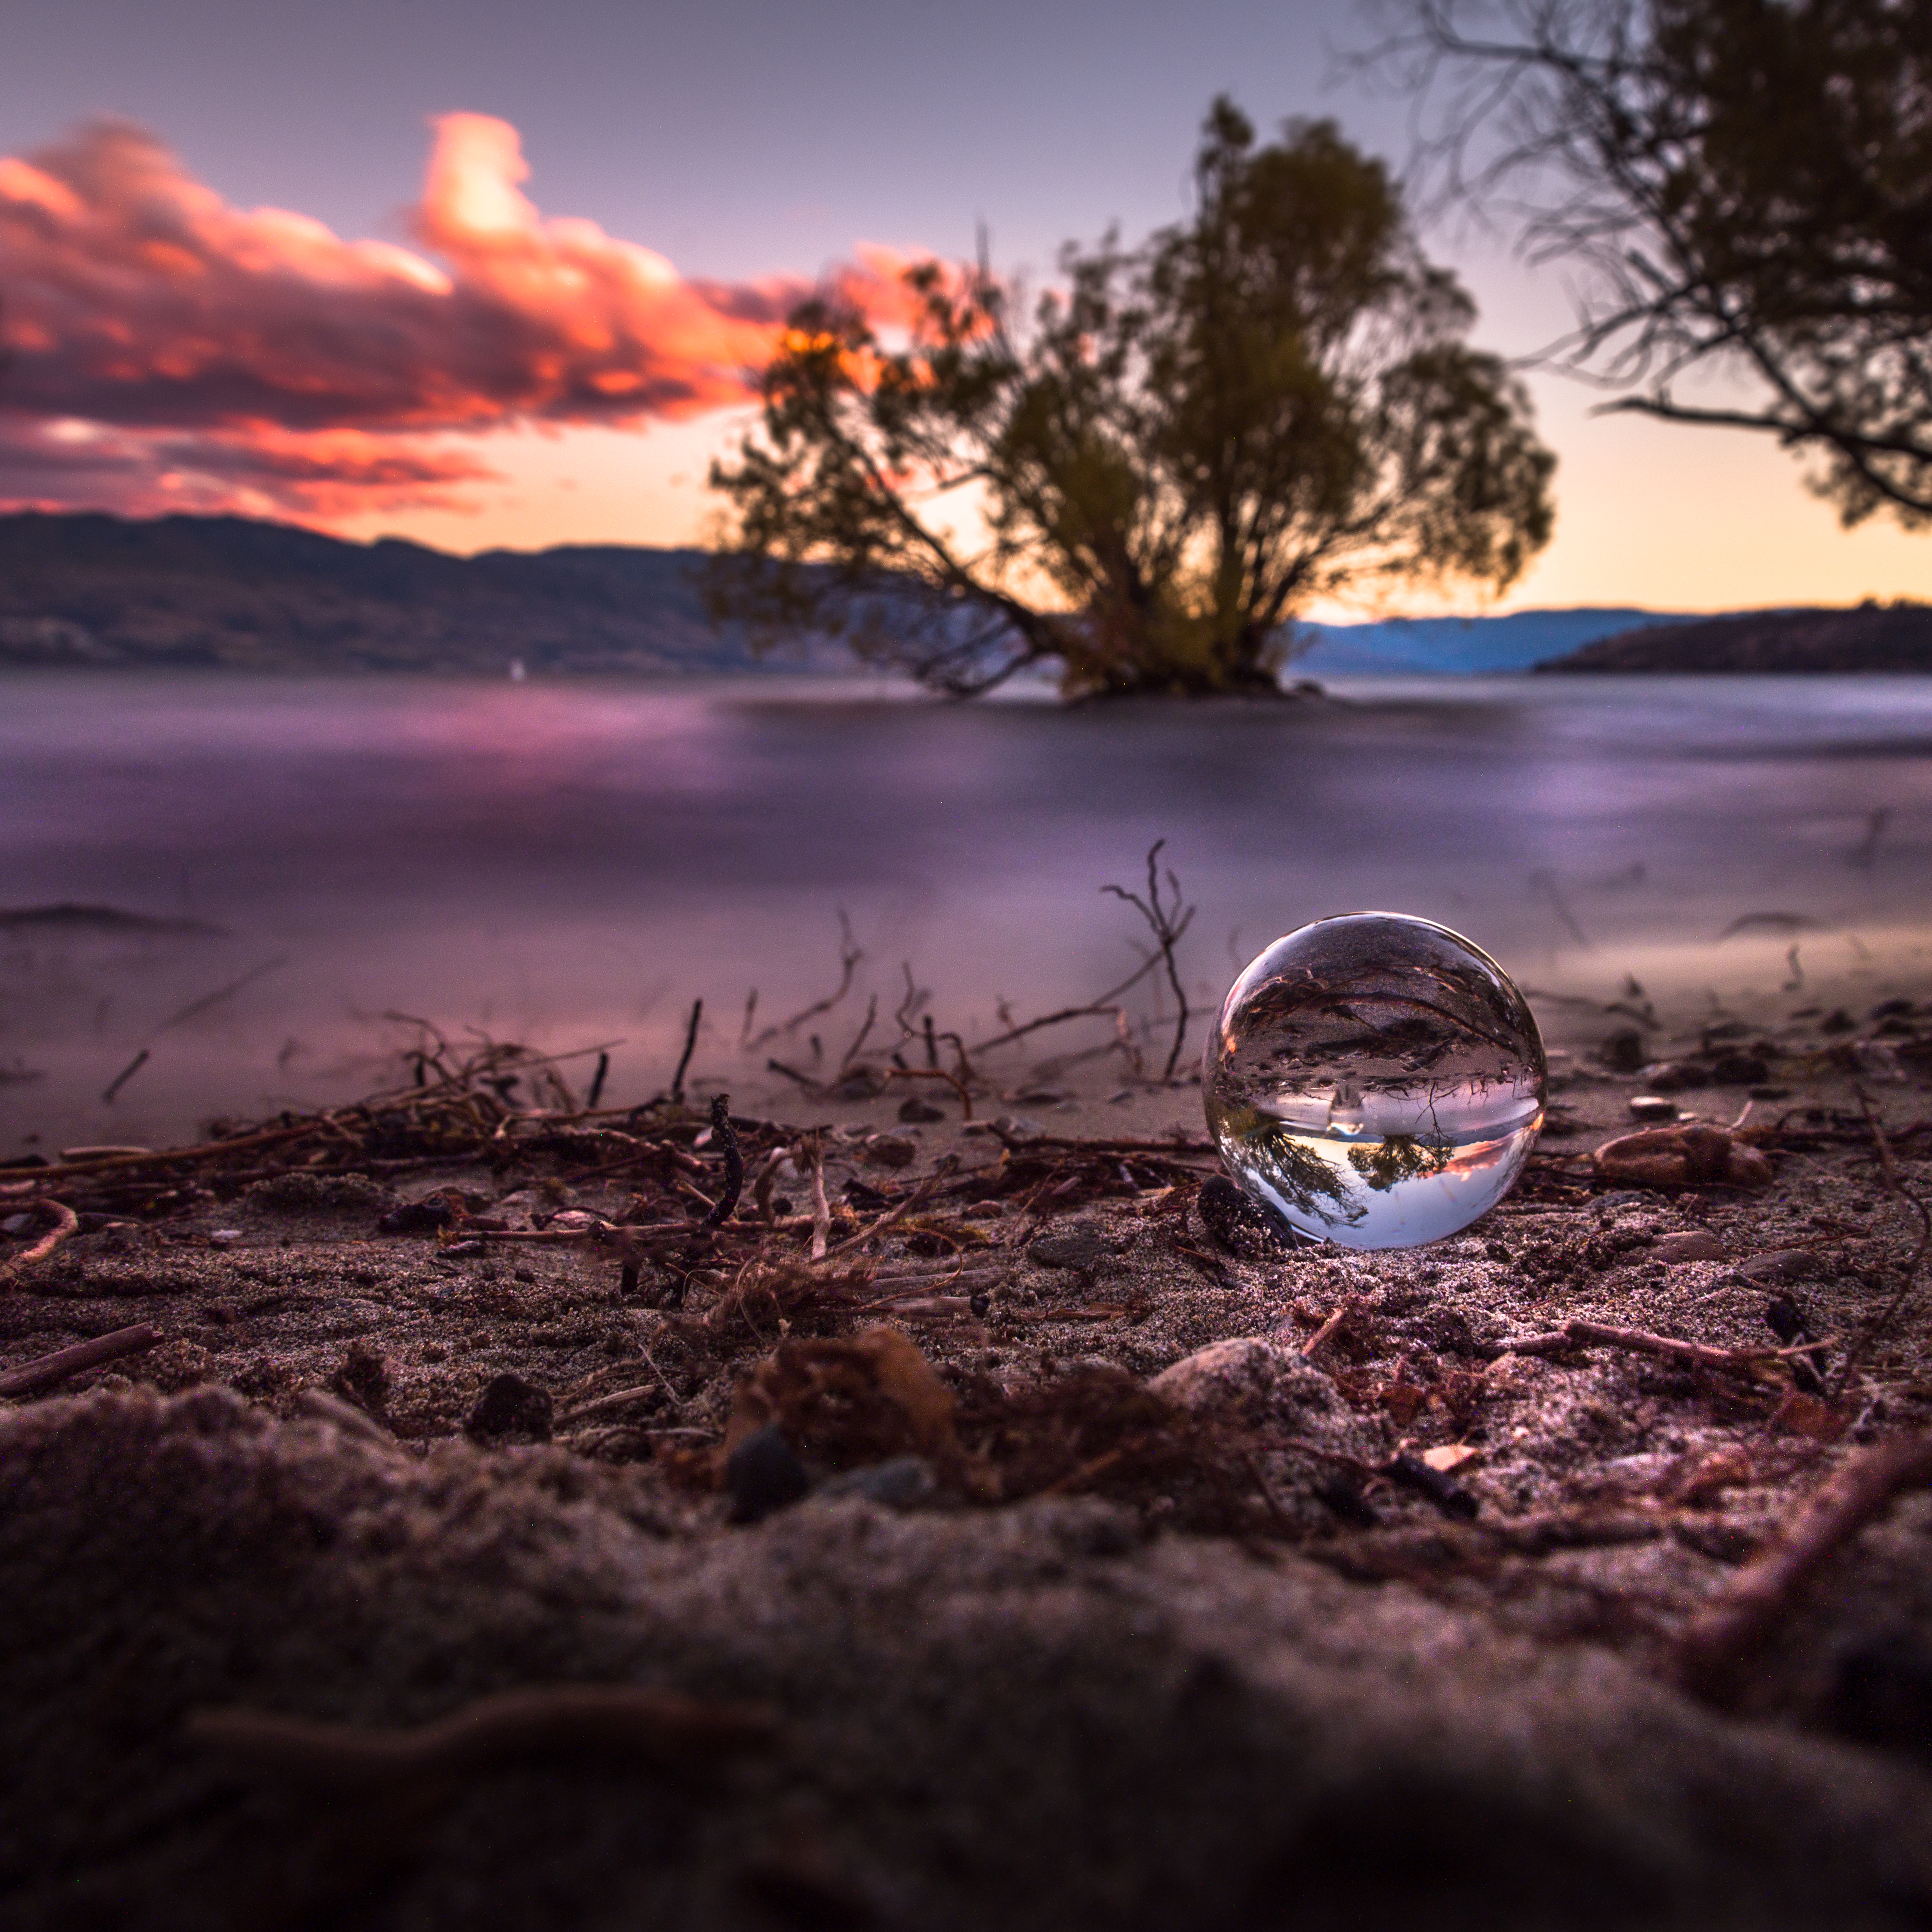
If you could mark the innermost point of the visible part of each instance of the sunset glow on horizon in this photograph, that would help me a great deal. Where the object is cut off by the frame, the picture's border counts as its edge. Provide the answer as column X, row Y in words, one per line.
column 519, row 363
column 170, row 352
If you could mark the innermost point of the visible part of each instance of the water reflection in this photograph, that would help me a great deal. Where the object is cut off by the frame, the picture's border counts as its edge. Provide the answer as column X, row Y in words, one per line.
column 1374, row 1081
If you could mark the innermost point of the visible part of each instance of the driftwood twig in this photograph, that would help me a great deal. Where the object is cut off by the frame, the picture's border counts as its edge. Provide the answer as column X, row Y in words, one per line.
column 1875, row 1328
column 1168, row 921
column 66, row 1222
column 725, row 1136
column 1723, row 1637
column 684, row 1059
column 661, row 1727
column 1333, row 1327
column 45, row 1371
column 917, row 1198
column 1641, row 1341
column 821, row 1210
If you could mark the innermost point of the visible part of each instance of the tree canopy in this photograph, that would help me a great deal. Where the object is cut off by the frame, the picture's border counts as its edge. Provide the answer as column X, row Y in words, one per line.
column 1748, row 184
column 1143, row 474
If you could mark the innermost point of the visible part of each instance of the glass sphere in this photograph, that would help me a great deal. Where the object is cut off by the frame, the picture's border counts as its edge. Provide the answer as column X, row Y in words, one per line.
column 1374, row 1081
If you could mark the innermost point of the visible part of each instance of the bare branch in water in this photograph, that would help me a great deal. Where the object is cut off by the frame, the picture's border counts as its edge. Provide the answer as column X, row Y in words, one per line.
column 1167, row 921
column 690, row 1041
column 850, row 954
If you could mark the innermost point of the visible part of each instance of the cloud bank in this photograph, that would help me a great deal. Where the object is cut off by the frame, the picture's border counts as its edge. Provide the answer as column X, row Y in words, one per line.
column 168, row 350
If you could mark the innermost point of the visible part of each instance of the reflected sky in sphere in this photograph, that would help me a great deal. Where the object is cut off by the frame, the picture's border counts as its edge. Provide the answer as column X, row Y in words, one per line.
column 1374, row 1081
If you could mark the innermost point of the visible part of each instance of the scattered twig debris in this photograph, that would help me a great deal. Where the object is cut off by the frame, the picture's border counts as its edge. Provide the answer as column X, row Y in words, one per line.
column 1718, row 1643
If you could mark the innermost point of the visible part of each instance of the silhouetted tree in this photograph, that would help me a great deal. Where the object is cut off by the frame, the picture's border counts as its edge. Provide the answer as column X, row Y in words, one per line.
column 1749, row 183
column 1146, row 476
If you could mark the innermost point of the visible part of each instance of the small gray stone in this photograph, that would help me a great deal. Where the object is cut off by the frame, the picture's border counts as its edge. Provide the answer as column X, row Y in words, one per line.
column 1780, row 1264
column 1082, row 1252
column 901, row 1482
column 1698, row 1244
column 1245, row 1369
column 890, row 1150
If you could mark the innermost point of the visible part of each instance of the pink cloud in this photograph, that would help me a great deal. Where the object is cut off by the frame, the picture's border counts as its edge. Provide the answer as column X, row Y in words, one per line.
column 170, row 350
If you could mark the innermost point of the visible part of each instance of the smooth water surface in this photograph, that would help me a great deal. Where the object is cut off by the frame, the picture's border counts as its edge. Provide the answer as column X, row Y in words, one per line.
column 568, row 863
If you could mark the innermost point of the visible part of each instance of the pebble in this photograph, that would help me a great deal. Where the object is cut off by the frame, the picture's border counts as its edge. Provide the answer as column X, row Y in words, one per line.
column 890, row 1150
column 1652, row 1107
column 1691, row 1156
column 1698, row 1244
column 1622, row 1052
column 1075, row 1250
column 1252, row 1374
column 763, row 1475
column 900, row 1482
column 417, row 1217
column 509, row 1406
column 1780, row 1264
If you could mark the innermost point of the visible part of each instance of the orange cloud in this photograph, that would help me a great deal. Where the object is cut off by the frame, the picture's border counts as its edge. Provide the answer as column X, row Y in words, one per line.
column 169, row 350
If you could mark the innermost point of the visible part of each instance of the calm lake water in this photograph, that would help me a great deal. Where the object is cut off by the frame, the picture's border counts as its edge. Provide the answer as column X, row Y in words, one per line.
column 569, row 863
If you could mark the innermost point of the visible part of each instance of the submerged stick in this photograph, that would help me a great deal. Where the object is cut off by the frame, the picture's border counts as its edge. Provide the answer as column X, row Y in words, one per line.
column 865, row 1028
column 127, row 1073
column 690, row 1042
column 962, row 1091
column 920, row 1194
column 1345, row 1307
column 208, row 1001
column 1168, row 923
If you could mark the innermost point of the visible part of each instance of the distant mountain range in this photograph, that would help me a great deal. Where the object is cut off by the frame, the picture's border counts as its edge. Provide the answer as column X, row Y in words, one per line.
column 1433, row 645
column 179, row 591
column 224, row 591
column 1874, row 637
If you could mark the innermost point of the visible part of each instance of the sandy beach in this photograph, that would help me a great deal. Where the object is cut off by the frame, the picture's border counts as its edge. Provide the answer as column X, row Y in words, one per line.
column 1086, row 1558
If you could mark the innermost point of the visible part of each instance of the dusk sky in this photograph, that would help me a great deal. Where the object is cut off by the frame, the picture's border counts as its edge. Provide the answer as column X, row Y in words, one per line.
column 486, row 274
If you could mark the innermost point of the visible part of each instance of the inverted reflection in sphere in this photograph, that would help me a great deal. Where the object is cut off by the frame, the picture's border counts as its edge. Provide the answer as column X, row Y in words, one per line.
column 1374, row 1081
